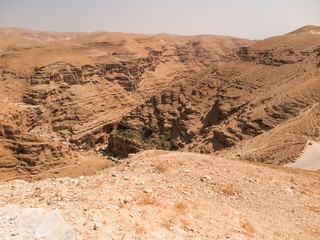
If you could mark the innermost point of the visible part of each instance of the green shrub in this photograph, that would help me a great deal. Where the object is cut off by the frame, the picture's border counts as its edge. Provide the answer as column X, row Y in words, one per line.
column 167, row 137
column 148, row 131
column 123, row 126
column 124, row 130
column 125, row 134
column 167, row 142
column 174, row 146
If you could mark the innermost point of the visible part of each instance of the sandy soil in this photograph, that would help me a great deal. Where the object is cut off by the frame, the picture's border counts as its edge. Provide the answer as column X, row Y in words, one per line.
column 175, row 195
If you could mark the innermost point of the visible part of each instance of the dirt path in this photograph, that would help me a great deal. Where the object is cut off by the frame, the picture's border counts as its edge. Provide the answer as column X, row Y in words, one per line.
column 310, row 158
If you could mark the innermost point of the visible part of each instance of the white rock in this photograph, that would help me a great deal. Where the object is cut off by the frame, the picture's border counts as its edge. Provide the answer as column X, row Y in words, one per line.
column 178, row 238
column 97, row 225
column 74, row 181
column 128, row 199
column 20, row 181
column 81, row 221
column 147, row 190
column 180, row 230
column 205, row 178
column 158, row 235
column 189, row 228
column 34, row 223
column 288, row 190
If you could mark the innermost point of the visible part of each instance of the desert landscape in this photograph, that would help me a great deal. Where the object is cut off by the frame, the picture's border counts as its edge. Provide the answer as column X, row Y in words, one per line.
column 159, row 136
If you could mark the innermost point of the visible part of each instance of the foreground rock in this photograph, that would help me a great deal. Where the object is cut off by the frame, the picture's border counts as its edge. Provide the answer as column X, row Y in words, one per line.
column 33, row 223
column 174, row 195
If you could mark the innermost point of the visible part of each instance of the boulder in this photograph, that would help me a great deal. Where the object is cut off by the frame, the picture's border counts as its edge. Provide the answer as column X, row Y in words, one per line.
column 33, row 223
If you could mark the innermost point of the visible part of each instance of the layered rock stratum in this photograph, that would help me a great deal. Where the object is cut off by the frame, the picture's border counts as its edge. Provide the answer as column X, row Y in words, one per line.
column 112, row 105
column 260, row 103
column 65, row 92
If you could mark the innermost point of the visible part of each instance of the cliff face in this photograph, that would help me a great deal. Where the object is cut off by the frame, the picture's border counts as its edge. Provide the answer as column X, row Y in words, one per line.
column 260, row 102
column 65, row 92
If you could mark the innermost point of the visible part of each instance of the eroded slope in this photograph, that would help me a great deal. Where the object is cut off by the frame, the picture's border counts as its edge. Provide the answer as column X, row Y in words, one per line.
column 262, row 100
column 64, row 92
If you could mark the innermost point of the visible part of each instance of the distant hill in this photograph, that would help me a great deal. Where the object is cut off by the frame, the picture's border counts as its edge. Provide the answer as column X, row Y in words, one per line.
column 260, row 103
column 63, row 92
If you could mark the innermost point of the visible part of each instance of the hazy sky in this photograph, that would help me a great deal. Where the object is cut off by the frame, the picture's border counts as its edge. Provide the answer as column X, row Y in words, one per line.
column 254, row 19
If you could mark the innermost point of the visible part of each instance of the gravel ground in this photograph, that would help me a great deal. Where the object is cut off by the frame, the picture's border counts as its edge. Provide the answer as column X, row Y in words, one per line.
column 176, row 195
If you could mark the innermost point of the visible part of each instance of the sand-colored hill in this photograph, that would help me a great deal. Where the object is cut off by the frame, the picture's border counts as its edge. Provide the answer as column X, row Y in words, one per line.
column 79, row 104
column 62, row 92
column 260, row 103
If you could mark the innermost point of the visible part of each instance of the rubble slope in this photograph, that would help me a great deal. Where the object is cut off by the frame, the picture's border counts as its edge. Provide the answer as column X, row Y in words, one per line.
column 174, row 195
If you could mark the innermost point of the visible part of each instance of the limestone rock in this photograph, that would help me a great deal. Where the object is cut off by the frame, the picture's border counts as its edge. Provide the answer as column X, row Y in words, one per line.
column 33, row 223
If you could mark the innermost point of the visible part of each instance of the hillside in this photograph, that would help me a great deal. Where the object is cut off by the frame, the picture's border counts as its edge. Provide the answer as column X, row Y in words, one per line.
column 125, row 136
column 64, row 92
column 259, row 103
column 171, row 195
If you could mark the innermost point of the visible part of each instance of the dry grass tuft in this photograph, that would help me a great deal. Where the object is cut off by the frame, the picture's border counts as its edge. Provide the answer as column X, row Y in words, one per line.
column 120, row 204
column 166, row 224
column 145, row 199
column 140, row 230
column 161, row 167
column 97, row 184
column 185, row 224
column 292, row 180
column 169, row 223
column 248, row 227
column 229, row 190
column 313, row 208
column 181, row 207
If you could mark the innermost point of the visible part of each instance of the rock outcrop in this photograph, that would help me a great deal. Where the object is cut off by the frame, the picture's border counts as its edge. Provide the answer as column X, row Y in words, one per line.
column 259, row 102
column 62, row 93
column 179, row 195
column 262, row 101
column 33, row 223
